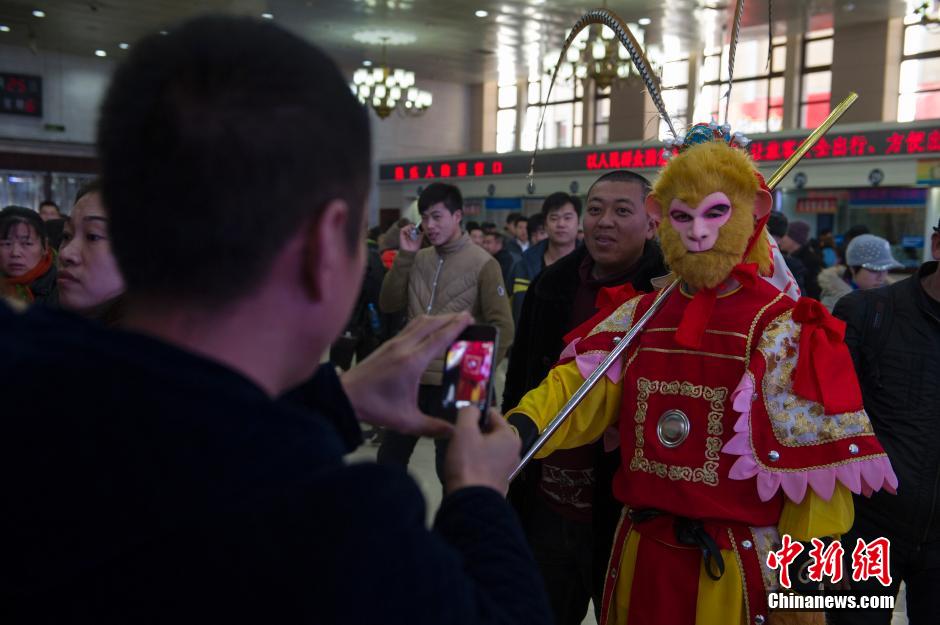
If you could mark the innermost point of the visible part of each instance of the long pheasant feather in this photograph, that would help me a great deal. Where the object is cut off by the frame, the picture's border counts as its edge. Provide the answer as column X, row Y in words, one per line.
column 732, row 50
column 622, row 31
column 770, row 35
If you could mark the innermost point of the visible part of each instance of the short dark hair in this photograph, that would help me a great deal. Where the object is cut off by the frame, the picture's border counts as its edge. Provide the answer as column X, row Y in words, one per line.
column 438, row 192
column 511, row 218
column 777, row 224
column 52, row 204
column 91, row 187
column 219, row 141
column 496, row 236
column 472, row 225
column 536, row 223
column 558, row 199
column 623, row 175
column 488, row 226
column 520, row 218
column 15, row 215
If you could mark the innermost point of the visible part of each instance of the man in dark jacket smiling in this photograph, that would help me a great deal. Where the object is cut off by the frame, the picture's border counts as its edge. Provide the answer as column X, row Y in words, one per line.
column 565, row 501
column 171, row 477
column 894, row 335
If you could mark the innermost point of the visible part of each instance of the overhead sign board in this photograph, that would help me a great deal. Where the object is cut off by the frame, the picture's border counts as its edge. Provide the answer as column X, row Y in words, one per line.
column 20, row 94
column 890, row 142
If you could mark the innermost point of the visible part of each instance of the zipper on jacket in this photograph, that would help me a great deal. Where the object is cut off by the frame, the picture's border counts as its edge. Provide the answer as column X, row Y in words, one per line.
column 437, row 274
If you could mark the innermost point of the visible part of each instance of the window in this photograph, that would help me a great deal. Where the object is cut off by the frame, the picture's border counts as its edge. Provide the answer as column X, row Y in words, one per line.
column 508, row 95
column 675, row 92
column 816, row 78
column 919, row 84
column 757, row 93
column 562, row 127
column 602, row 115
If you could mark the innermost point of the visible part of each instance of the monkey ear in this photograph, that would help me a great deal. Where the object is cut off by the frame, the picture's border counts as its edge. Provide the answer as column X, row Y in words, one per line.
column 763, row 202
column 653, row 209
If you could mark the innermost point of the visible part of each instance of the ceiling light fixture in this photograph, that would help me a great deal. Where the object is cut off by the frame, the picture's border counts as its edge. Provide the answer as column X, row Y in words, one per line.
column 597, row 54
column 268, row 16
column 4, row 28
column 39, row 13
column 482, row 13
column 367, row 63
column 164, row 32
column 386, row 89
column 644, row 21
column 124, row 46
column 100, row 53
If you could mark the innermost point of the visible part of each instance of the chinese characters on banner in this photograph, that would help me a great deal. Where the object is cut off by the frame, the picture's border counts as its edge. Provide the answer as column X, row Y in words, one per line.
column 851, row 145
column 446, row 170
column 918, row 142
column 870, row 560
column 20, row 94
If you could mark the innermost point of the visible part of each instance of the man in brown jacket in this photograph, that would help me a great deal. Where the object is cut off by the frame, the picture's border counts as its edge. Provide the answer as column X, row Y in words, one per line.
column 453, row 275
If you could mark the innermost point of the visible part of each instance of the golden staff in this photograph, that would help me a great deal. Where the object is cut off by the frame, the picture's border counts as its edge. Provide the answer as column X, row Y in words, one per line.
column 624, row 342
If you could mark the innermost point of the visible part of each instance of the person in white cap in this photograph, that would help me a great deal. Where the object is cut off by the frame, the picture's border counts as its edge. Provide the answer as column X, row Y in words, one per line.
column 867, row 262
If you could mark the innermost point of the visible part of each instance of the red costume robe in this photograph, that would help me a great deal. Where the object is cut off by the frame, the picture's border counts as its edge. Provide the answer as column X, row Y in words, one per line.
column 773, row 438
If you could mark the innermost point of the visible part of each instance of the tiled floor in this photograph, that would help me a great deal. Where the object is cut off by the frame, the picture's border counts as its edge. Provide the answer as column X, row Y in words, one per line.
column 422, row 469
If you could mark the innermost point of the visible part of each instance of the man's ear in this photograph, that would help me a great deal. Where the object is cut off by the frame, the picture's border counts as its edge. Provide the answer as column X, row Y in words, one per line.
column 654, row 210
column 763, row 202
column 326, row 249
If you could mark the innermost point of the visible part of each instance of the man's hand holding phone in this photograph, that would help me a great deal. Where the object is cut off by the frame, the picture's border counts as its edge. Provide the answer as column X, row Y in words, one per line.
column 477, row 458
column 409, row 238
column 383, row 388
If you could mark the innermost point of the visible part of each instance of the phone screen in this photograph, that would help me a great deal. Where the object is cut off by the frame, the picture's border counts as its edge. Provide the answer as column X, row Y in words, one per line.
column 468, row 368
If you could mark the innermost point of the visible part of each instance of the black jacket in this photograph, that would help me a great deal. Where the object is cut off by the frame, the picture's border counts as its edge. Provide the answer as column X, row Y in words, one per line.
column 155, row 486
column 546, row 318
column 894, row 337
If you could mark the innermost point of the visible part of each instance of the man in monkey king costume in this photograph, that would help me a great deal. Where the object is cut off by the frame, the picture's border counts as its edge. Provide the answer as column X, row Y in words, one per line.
column 740, row 418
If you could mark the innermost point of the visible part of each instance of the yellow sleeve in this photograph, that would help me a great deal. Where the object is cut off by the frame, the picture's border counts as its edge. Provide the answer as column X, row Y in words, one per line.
column 815, row 518
column 599, row 410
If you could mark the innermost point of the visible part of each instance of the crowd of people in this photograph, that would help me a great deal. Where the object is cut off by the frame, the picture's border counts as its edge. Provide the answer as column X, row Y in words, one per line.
column 189, row 465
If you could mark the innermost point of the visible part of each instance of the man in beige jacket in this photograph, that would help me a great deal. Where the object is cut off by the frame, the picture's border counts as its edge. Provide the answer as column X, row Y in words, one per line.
column 453, row 275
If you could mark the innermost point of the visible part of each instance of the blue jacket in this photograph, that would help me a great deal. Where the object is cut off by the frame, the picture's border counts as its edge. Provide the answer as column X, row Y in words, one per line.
column 154, row 485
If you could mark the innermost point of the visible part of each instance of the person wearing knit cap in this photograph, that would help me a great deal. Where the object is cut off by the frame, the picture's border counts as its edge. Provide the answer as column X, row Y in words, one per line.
column 798, row 244
column 868, row 259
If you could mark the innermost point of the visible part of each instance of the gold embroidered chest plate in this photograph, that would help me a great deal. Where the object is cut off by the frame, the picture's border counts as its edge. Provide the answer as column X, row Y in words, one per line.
column 714, row 397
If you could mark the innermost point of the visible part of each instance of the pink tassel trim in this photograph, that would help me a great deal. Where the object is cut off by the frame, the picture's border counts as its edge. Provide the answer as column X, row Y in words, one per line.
column 588, row 362
column 864, row 476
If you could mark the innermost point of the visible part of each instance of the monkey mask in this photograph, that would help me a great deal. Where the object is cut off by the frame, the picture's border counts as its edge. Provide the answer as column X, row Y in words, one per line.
column 711, row 205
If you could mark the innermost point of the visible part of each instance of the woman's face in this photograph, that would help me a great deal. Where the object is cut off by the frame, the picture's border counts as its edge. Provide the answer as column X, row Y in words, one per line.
column 20, row 251
column 88, row 272
column 868, row 279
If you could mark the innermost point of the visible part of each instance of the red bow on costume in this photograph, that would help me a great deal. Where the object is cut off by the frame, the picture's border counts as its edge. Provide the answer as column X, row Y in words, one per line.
column 824, row 357
column 699, row 311
column 607, row 301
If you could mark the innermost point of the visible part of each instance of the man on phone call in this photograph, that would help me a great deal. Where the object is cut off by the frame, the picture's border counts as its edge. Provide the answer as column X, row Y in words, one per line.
column 452, row 275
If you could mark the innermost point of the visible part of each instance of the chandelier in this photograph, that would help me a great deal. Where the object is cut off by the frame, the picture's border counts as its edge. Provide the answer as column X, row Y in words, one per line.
column 595, row 53
column 386, row 89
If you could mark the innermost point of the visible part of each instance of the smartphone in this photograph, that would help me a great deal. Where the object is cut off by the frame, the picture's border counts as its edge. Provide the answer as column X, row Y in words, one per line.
column 414, row 233
column 468, row 370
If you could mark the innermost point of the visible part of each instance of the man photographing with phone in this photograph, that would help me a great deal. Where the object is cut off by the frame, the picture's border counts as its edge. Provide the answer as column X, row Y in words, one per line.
column 453, row 275
column 171, row 477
